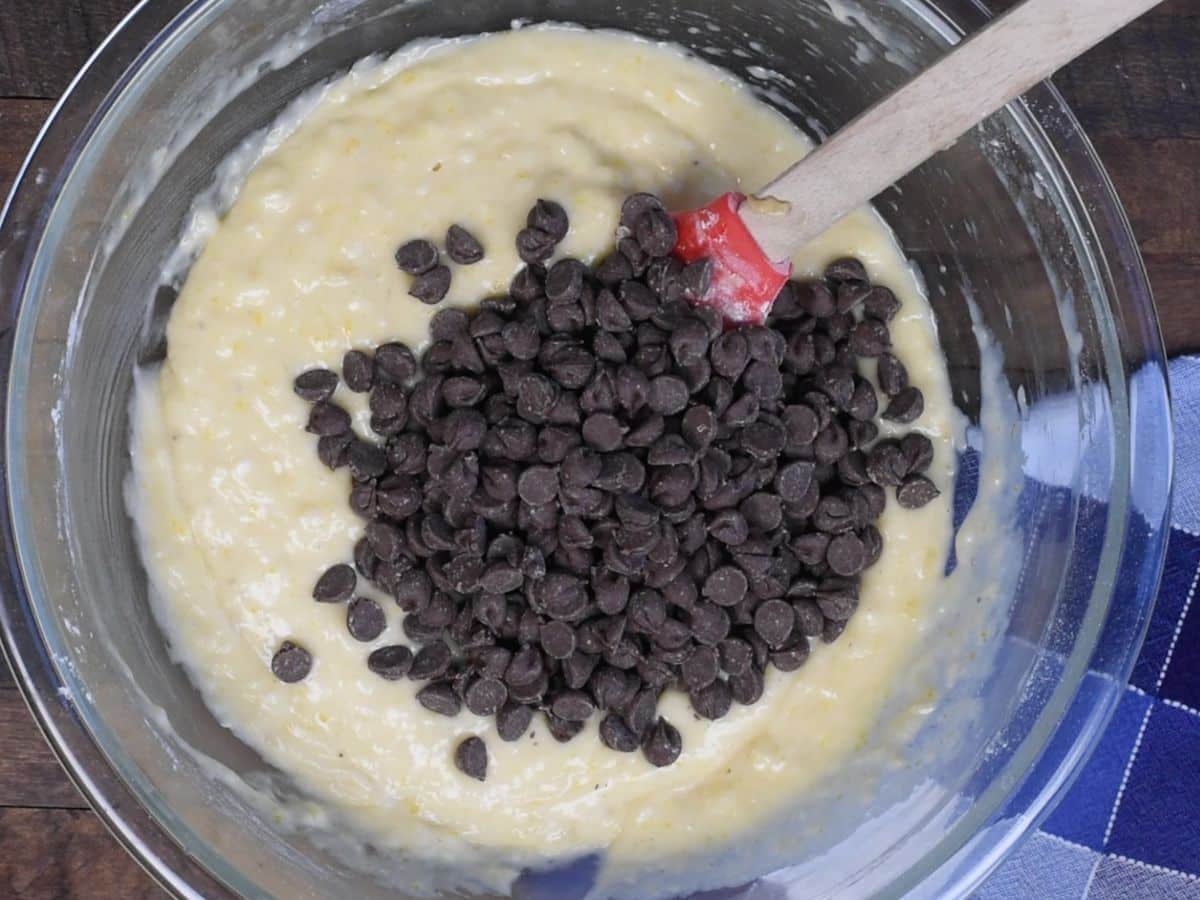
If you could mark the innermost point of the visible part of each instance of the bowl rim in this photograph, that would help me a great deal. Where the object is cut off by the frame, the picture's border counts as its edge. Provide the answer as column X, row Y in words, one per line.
column 118, row 61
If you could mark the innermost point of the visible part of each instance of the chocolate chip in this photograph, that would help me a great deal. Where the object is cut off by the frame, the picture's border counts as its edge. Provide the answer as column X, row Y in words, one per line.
column 869, row 338
column 334, row 449
column 513, row 720
column 439, row 697
column 709, row 623
column 635, row 205
column 668, row 395
column 328, row 419
column 696, row 278
column 726, row 586
column 538, row 485
column 774, row 621
column 793, row 480
column 893, row 376
column 431, row 287
column 814, row 298
column 846, row 554
column 846, row 269
column 747, row 687
column 336, row 584
column 416, row 257
column 736, row 656
column 572, row 706
column 315, row 385
column 486, row 696
column 366, row 461
column 616, row 735
column 534, row 245
column 906, row 406
column 881, row 303
column 392, row 662
column 462, row 246
column 712, row 701
column 562, row 730
column 916, row 491
column 918, row 452
column 792, row 656
column 730, row 354
column 365, row 619
column 655, row 231
column 395, row 361
column 887, row 464
column 431, row 661
column 549, row 217
column 700, row 668
column 291, row 663
column 525, row 669
column 470, row 757
column 663, row 744
column 557, row 639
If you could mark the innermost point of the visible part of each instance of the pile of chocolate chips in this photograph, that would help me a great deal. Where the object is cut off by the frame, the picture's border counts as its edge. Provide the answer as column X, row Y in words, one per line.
column 589, row 491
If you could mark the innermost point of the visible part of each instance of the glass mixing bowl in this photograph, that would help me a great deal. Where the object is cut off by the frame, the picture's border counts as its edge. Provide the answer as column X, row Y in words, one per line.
column 1017, row 221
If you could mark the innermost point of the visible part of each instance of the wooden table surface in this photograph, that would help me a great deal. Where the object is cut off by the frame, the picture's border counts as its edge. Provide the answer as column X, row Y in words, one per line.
column 1138, row 96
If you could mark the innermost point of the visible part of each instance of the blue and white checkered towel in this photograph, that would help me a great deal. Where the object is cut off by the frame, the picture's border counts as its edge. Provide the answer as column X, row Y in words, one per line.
column 1129, row 829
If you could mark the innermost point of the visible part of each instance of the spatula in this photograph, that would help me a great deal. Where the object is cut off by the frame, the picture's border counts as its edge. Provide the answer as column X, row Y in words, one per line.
column 750, row 240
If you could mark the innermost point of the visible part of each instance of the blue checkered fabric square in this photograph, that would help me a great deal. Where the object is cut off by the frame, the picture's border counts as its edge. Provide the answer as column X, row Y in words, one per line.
column 1129, row 828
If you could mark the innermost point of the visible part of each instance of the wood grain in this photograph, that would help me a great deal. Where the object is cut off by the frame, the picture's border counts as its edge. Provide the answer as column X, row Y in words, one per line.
column 20, row 121
column 42, row 46
column 29, row 772
column 66, row 854
column 1137, row 95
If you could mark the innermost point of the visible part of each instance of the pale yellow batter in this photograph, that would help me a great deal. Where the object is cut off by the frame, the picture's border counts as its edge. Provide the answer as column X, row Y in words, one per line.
column 238, row 517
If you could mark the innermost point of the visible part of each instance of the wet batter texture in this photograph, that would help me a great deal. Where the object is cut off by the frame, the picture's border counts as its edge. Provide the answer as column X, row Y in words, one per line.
column 238, row 517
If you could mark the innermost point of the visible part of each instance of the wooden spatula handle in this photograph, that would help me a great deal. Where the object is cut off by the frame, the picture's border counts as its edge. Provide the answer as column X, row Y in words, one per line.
column 927, row 114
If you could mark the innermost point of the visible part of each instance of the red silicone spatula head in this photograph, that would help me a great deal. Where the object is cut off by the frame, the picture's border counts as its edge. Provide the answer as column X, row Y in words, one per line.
column 744, row 281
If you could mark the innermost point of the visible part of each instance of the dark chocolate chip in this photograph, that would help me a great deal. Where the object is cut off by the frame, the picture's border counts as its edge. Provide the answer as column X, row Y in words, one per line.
column 327, row 418
column 663, row 744
column 712, row 701
column 431, row 287
column 336, row 584
column 534, row 245
column 396, row 362
column 291, row 663
column 726, row 586
column 881, row 303
column 846, row 555
column 486, row 696
column 365, row 619
column 916, row 491
column 550, row 217
column 439, row 697
column 668, row 395
column 774, row 621
column 709, row 623
column 315, row 385
column 746, row 687
column 392, row 662
column 513, row 720
column 918, row 452
column 846, row 269
column 417, row 257
column 462, row 246
column 906, row 406
column 557, row 639
column 431, row 661
column 470, row 756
